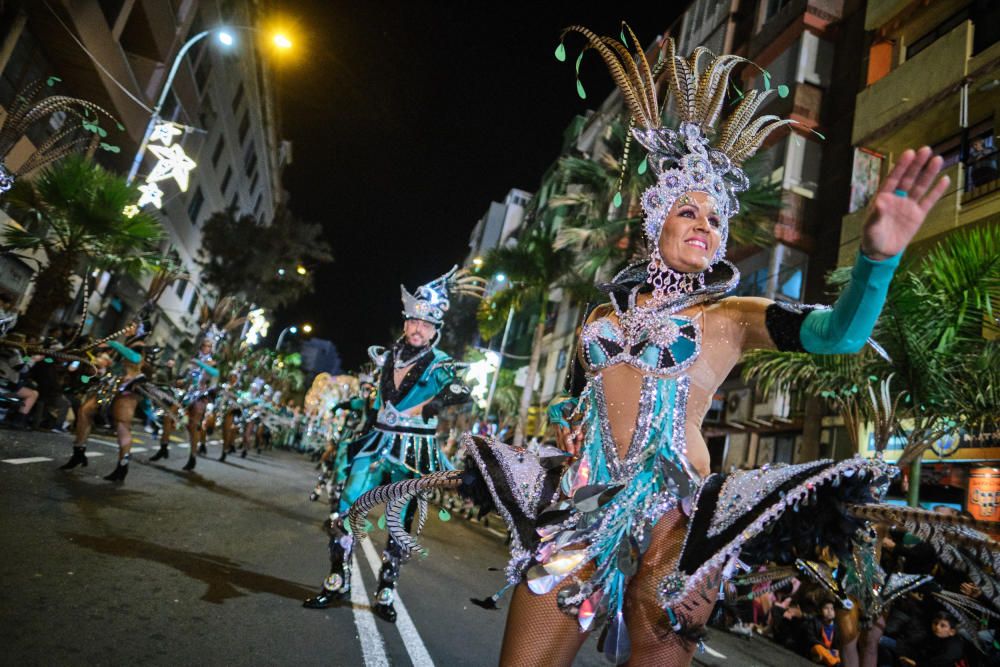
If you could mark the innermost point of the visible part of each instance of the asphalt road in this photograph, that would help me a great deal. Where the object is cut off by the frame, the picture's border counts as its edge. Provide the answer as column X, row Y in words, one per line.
column 210, row 568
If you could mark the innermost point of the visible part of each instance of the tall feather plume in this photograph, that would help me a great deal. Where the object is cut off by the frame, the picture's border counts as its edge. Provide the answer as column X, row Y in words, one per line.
column 632, row 95
column 740, row 118
column 712, row 90
column 631, row 69
column 752, row 140
column 464, row 282
column 646, row 74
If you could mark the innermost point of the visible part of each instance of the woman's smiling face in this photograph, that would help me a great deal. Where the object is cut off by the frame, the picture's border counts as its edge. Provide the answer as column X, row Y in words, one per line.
column 691, row 234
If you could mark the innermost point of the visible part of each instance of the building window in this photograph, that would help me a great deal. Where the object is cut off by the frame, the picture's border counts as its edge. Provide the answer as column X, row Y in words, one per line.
column 775, row 6
column 225, row 180
column 244, row 126
column 238, row 97
column 180, row 289
column 193, row 304
column 250, row 159
column 217, row 153
column 561, row 360
column 194, row 208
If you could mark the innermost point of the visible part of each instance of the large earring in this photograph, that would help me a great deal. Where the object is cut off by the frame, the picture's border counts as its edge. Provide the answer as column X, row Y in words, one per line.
column 667, row 283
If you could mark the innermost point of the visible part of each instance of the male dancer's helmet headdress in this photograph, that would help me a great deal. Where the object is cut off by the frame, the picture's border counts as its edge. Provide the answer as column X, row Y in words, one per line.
column 431, row 302
column 697, row 156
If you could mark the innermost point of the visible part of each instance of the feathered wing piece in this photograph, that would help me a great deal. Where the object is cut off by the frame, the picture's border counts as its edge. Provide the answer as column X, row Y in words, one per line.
column 395, row 497
column 697, row 157
column 971, row 615
column 29, row 108
column 958, row 542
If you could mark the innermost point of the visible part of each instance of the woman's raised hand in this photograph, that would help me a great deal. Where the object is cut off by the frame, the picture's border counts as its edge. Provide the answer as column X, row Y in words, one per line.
column 902, row 203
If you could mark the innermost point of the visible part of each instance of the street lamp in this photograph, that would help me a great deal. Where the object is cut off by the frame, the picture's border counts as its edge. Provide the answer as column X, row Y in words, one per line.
column 301, row 270
column 282, row 41
column 292, row 329
column 225, row 36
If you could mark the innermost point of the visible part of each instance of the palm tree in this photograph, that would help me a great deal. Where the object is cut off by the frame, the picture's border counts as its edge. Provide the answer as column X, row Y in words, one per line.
column 940, row 331
column 533, row 267
column 77, row 213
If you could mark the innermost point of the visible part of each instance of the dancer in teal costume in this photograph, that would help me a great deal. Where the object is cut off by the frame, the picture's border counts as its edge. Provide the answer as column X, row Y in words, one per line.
column 416, row 380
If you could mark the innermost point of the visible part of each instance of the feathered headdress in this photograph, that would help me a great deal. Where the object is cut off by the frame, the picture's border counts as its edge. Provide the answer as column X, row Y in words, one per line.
column 28, row 109
column 431, row 302
column 697, row 156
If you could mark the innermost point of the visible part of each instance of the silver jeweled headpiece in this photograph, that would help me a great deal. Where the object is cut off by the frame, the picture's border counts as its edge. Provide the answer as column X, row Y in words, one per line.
column 696, row 157
column 431, row 302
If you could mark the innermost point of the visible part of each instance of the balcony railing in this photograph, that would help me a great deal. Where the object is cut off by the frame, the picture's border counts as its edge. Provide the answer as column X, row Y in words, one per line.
column 982, row 175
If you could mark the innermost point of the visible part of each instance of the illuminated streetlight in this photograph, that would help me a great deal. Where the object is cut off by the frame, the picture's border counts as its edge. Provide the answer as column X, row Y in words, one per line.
column 293, row 329
column 281, row 272
column 226, row 38
column 500, row 277
column 307, row 328
column 282, row 41
column 301, row 270
column 477, row 262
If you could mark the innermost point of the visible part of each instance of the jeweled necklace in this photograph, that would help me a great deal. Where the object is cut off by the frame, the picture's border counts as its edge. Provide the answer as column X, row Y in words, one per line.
column 652, row 317
column 397, row 359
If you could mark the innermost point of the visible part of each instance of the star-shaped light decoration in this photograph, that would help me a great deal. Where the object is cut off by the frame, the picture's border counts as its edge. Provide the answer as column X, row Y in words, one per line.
column 174, row 163
column 165, row 133
column 130, row 211
column 151, row 194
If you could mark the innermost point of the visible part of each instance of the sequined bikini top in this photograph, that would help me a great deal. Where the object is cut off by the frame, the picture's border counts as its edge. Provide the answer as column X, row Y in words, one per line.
column 660, row 345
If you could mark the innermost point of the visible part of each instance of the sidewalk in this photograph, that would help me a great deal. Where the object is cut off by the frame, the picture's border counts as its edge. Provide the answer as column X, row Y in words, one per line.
column 742, row 652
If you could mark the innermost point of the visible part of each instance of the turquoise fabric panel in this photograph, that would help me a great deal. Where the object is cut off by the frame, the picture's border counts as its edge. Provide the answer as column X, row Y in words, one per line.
column 845, row 328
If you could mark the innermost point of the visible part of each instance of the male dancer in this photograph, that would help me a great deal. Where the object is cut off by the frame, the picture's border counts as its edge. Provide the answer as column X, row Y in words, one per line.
column 416, row 381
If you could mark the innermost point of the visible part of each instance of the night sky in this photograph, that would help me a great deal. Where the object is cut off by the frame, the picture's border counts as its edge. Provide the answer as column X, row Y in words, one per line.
column 407, row 119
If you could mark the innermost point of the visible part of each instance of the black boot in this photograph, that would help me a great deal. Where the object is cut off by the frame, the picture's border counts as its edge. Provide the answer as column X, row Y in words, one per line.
column 202, row 450
column 20, row 422
column 190, row 464
column 162, row 453
column 243, row 453
column 224, row 452
column 118, row 474
column 79, row 458
column 337, row 586
column 392, row 561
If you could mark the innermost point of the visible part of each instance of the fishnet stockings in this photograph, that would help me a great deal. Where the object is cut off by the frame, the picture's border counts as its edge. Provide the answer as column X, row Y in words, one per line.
column 538, row 633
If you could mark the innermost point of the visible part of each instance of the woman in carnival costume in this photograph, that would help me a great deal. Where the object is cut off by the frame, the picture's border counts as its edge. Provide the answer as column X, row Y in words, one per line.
column 628, row 533
column 416, row 380
column 117, row 394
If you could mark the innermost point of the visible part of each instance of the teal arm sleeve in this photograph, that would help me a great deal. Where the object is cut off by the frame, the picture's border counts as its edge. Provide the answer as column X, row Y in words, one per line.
column 211, row 370
column 127, row 353
column 844, row 328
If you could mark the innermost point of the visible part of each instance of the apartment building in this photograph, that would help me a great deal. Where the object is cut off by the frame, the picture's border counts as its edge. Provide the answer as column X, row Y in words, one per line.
column 118, row 54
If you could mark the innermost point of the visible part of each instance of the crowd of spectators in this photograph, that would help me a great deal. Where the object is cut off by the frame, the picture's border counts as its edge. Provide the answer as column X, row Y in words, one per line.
column 919, row 629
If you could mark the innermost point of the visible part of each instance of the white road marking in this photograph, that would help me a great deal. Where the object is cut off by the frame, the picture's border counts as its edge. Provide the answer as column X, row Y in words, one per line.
column 92, row 455
column 30, row 459
column 139, row 449
column 372, row 646
column 411, row 638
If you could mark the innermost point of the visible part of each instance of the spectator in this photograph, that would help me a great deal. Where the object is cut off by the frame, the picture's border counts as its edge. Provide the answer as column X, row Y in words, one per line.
column 822, row 638
column 943, row 648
